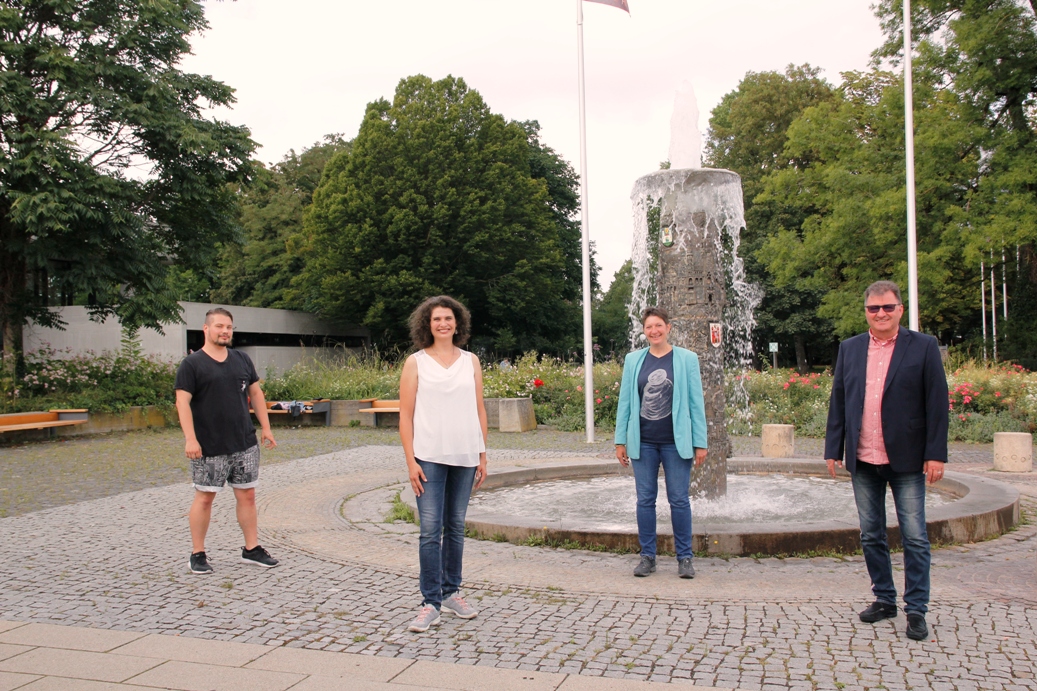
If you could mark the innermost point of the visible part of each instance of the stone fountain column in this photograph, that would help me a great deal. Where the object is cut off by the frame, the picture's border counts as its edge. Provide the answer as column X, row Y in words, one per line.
column 696, row 207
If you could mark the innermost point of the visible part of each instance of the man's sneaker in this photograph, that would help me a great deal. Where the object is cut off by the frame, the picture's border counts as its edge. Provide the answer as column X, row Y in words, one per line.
column 878, row 611
column 455, row 604
column 258, row 556
column 199, row 563
column 646, row 566
column 685, row 569
column 428, row 616
column 916, row 628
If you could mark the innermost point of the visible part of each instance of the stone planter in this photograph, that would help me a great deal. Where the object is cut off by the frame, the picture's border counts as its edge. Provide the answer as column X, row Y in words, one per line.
column 1013, row 452
column 505, row 414
column 779, row 441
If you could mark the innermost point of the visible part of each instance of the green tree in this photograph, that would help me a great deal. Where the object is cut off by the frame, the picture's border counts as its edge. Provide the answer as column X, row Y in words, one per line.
column 985, row 51
column 438, row 195
column 107, row 167
column 611, row 316
column 851, row 196
column 748, row 134
column 258, row 272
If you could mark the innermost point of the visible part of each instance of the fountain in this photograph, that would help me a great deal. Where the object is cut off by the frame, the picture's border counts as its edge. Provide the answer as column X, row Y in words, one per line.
column 687, row 222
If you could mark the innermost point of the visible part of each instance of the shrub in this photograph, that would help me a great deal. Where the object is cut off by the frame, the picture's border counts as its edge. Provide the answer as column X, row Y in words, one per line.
column 109, row 382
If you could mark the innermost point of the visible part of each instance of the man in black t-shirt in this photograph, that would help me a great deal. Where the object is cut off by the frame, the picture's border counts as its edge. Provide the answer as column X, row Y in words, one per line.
column 213, row 388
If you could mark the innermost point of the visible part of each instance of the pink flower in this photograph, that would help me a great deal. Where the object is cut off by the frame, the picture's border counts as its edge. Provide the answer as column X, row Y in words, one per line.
column 786, row 385
column 998, row 394
column 967, row 399
column 597, row 400
column 579, row 388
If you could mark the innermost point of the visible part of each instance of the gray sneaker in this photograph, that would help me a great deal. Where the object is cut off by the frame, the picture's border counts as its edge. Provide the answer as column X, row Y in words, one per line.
column 455, row 604
column 428, row 616
column 685, row 569
column 646, row 566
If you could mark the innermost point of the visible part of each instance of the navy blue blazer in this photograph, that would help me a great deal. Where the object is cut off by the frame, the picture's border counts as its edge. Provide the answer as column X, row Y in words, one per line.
column 914, row 402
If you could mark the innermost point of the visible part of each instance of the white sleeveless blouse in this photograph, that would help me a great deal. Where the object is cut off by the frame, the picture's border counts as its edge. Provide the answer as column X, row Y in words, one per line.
column 446, row 419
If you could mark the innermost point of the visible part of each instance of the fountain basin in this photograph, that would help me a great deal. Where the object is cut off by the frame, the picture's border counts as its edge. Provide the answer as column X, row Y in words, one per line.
column 978, row 509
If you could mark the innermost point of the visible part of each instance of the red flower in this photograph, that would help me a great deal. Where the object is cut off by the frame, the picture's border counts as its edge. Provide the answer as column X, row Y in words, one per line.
column 597, row 400
column 998, row 394
column 538, row 383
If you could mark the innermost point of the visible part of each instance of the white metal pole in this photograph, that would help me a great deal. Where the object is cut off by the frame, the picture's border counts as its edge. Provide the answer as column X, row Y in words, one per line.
column 983, row 304
column 1004, row 282
column 588, row 349
column 993, row 306
column 909, row 145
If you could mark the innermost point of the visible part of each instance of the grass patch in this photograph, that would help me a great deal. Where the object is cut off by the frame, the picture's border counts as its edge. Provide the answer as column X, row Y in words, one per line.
column 400, row 511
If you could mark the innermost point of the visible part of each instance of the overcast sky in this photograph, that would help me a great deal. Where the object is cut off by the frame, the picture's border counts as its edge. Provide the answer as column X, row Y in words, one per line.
column 308, row 68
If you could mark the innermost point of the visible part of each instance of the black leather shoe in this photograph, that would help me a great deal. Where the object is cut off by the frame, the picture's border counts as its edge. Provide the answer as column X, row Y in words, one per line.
column 878, row 611
column 916, row 628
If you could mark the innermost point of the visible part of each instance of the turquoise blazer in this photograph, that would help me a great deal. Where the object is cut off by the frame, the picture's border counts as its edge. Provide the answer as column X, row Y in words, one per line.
column 689, row 407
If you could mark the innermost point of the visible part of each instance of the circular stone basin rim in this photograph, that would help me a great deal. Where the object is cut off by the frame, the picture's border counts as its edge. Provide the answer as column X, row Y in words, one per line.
column 983, row 508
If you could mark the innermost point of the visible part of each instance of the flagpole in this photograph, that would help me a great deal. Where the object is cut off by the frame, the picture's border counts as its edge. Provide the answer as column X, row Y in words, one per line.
column 588, row 351
column 909, row 145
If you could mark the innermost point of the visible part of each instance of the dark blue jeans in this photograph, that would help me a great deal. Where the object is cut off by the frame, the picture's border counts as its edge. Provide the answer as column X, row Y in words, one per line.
column 442, row 508
column 646, row 480
column 869, row 492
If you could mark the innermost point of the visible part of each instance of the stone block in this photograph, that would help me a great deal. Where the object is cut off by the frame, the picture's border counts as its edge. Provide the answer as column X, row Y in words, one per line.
column 492, row 406
column 345, row 412
column 778, row 441
column 516, row 415
column 1013, row 452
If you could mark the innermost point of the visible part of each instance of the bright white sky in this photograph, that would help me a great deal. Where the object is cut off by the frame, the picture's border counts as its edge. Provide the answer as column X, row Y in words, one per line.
column 308, row 68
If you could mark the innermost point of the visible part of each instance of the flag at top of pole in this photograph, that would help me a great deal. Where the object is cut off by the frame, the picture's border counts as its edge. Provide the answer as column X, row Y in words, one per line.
column 588, row 340
column 621, row 4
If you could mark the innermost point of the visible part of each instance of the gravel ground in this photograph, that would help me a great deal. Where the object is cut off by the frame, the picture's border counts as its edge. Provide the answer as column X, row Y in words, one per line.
column 41, row 475
column 45, row 474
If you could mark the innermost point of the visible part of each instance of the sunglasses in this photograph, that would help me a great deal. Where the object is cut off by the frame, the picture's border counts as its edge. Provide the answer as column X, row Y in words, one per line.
column 874, row 309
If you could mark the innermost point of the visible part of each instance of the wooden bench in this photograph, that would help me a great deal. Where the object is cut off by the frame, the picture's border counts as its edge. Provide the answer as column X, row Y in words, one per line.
column 19, row 422
column 385, row 412
column 319, row 406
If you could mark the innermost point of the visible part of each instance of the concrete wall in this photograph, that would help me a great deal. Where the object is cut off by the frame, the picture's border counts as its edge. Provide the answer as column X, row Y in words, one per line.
column 81, row 335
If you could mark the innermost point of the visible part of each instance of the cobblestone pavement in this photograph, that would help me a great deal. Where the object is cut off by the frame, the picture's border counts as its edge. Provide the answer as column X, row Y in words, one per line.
column 348, row 582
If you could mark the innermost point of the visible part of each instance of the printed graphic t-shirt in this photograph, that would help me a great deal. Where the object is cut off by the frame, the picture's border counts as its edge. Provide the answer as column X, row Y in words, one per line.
column 655, row 386
column 219, row 400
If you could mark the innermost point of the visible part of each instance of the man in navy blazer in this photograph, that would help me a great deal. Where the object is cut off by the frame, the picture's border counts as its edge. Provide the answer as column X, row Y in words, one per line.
column 888, row 418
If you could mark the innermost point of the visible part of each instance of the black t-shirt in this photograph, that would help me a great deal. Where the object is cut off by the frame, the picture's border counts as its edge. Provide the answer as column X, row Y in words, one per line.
column 219, row 400
column 655, row 387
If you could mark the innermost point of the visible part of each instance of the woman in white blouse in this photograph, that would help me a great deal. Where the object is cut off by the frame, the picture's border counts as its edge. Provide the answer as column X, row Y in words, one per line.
column 443, row 429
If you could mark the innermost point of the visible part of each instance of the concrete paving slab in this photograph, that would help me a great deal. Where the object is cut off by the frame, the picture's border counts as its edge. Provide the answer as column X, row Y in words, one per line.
column 190, row 676
column 7, row 650
column 11, row 680
column 223, row 653
column 8, row 625
column 68, row 637
column 474, row 678
column 326, row 664
column 63, row 684
column 318, row 683
column 78, row 664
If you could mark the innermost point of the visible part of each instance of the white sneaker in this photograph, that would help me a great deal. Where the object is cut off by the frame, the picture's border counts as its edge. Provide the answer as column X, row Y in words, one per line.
column 455, row 604
column 428, row 616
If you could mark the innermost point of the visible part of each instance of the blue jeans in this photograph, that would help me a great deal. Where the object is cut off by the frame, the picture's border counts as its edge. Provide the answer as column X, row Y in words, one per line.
column 442, row 508
column 646, row 480
column 869, row 492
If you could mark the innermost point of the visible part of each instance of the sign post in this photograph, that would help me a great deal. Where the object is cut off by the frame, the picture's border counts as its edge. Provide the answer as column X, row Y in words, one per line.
column 774, row 355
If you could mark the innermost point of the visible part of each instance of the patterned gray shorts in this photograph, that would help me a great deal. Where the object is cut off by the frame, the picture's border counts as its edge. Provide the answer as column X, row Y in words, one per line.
column 239, row 470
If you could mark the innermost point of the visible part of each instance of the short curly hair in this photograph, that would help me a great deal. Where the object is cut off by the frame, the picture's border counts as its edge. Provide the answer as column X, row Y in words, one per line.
column 421, row 321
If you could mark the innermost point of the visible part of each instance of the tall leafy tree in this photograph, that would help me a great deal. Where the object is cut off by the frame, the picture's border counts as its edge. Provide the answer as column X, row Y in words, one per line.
column 438, row 195
column 748, row 134
column 851, row 197
column 611, row 316
column 985, row 52
column 108, row 169
column 259, row 271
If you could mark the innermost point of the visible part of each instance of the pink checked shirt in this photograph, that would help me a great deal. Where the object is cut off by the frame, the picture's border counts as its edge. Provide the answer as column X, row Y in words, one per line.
column 871, row 448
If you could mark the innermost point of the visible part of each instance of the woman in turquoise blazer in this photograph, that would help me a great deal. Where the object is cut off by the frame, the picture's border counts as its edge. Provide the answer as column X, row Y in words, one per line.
column 661, row 421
